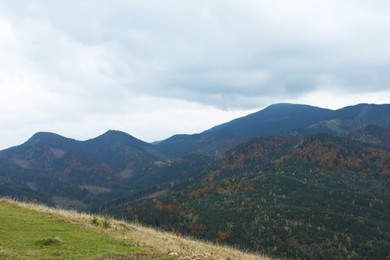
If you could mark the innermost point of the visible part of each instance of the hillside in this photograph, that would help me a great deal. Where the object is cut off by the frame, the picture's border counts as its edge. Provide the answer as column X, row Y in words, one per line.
column 373, row 134
column 37, row 232
column 117, row 167
column 70, row 173
column 277, row 119
column 315, row 197
column 315, row 186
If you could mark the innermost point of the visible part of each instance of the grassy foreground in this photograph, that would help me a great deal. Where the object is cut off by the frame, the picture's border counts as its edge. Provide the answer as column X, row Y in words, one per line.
column 29, row 231
column 30, row 234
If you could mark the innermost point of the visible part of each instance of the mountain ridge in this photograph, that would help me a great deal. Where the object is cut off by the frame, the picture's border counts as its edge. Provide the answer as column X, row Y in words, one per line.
column 300, row 177
column 51, row 166
column 277, row 119
column 116, row 161
column 317, row 197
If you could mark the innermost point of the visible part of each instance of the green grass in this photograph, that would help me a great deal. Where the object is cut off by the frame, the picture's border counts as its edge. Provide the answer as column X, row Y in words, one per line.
column 28, row 234
column 32, row 231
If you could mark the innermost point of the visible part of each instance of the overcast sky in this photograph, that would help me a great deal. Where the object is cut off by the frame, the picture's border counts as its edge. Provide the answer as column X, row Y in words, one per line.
column 156, row 68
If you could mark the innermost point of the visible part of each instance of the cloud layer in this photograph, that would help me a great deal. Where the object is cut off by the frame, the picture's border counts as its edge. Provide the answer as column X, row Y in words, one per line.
column 72, row 64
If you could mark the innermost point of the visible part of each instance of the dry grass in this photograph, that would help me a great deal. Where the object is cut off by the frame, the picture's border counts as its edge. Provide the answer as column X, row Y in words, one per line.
column 149, row 239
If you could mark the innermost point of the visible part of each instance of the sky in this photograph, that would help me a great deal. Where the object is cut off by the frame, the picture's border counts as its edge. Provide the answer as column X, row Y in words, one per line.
column 157, row 68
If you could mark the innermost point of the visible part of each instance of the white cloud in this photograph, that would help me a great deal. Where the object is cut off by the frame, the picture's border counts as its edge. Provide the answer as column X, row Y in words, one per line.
column 338, row 99
column 81, row 67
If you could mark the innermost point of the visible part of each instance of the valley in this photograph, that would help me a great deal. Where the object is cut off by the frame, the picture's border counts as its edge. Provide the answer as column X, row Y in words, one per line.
column 289, row 181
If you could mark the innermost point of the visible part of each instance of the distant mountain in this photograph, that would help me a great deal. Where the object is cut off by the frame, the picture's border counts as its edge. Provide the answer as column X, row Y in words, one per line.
column 349, row 119
column 373, row 134
column 315, row 197
column 51, row 166
column 278, row 119
column 123, row 151
column 293, row 181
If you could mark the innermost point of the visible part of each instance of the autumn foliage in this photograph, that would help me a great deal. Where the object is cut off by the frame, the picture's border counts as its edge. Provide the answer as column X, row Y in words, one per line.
column 222, row 235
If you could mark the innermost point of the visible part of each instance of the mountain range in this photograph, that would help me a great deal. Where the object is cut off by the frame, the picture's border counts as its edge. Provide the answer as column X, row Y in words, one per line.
column 278, row 119
column 274, row 177
column 317, row 197
column 49, row 166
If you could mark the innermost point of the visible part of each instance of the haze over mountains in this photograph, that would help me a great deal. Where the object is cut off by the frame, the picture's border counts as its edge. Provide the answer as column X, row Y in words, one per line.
column 285, row 153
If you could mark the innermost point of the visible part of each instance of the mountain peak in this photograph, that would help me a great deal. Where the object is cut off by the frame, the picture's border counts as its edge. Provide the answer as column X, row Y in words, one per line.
column 112, row 136
column 291, row 105
column 277, row 119
column 115, row 133
column 282, row 105
column 47, row 137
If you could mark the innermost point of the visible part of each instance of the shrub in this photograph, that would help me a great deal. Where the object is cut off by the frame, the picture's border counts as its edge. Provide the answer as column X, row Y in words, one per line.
column 106, row 222
column 95, row 221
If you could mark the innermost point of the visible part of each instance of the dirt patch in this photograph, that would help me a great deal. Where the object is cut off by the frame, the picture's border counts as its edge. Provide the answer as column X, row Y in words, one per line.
column 95, row 189
column 21, row 163
column 154, row 195
column 57, row 152
column 32, row 185
column 126, row 173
